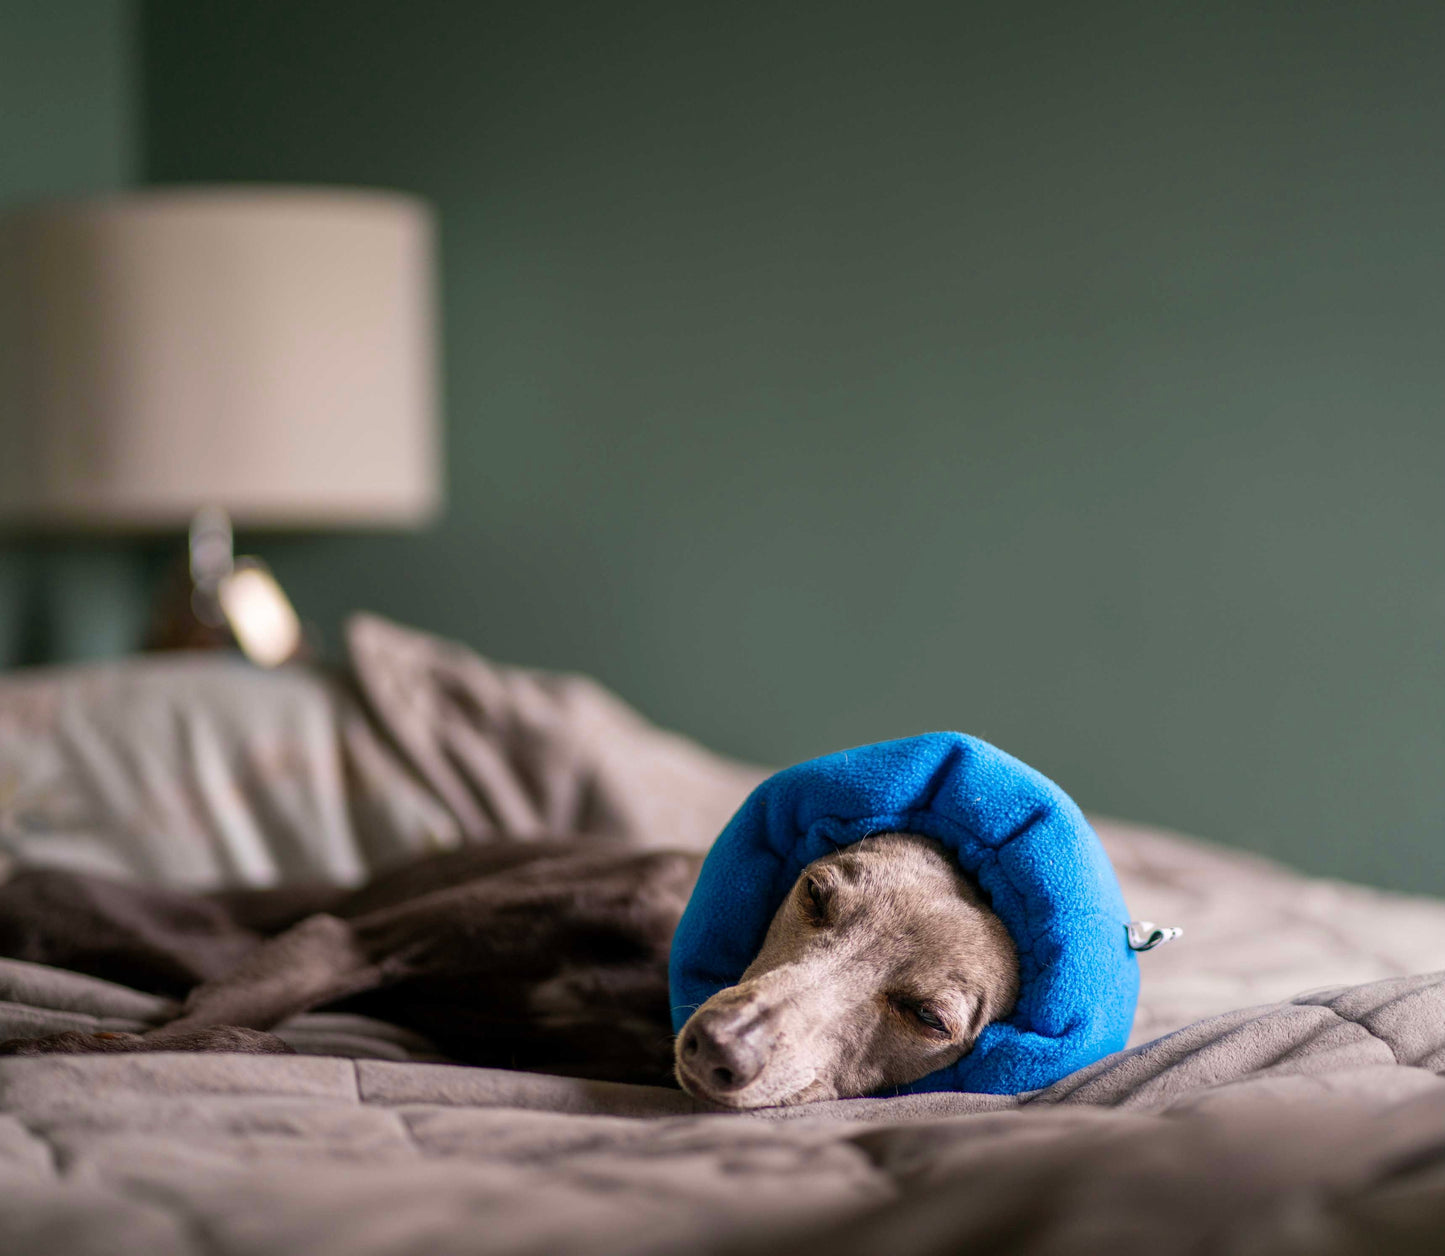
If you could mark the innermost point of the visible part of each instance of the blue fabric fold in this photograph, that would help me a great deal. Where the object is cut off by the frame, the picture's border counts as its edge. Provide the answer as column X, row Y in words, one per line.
column 1015, row 832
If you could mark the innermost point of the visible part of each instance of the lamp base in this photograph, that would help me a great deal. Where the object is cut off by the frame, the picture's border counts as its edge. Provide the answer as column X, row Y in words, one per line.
column 218, row 601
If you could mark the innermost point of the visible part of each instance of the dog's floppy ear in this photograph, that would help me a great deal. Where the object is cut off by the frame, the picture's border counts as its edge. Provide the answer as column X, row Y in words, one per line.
column 976, row 1013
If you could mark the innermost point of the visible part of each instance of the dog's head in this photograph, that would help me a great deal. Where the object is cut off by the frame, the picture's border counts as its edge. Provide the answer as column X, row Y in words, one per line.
column 882, row 964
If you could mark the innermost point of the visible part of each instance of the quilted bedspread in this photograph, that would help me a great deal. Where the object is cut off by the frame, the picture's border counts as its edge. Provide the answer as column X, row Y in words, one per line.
column 1252, row 1116
column 1281, row 1091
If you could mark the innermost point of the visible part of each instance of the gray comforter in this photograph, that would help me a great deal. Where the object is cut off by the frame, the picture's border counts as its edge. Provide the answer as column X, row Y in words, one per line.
column 1282, row 1091
column 1313, row 1125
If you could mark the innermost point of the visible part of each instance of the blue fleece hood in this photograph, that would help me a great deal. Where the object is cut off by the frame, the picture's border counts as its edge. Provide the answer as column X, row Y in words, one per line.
column 1016, row 833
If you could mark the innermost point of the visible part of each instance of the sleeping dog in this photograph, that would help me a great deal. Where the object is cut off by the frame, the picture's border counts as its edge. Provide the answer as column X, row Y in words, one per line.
column 882, row 964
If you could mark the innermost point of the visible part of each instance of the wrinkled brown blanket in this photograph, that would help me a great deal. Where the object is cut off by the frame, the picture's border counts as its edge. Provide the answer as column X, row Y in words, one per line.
column 1246, row 1117
column 548, row 956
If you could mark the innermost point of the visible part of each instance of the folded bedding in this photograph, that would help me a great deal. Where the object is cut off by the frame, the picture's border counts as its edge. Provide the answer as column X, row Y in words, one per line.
column 1280, row 1092
column 203, row 772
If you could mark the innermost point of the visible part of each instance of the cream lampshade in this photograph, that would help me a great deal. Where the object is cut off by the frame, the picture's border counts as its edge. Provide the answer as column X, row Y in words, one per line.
column 261, row 355
column 265, row 351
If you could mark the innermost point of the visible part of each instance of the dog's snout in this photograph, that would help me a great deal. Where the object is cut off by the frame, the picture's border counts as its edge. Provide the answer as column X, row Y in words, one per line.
column 720, row 1059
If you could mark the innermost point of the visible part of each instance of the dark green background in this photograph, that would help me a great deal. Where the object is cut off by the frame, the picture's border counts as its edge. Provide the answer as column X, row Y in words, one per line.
column 817, row 372
column 69, row 124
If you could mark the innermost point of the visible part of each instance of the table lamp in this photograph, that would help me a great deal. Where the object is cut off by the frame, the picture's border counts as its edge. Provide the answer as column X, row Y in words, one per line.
column 261, row 357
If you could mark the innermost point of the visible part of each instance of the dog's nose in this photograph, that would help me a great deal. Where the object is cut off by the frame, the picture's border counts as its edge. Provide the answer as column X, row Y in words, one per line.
column 722, row 1061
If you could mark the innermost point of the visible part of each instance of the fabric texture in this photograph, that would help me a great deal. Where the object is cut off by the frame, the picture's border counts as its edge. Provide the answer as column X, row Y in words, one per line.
column 1016, row 833
column 1314, row 1125
column 198, row 770
column 1245, row 1120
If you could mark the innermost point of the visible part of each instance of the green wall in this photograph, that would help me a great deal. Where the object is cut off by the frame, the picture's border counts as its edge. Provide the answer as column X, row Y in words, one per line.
column 68, row 71
column 67, row 85
column 823, row 372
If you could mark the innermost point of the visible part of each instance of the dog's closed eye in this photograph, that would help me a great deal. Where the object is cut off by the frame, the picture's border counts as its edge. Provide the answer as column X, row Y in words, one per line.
column 922, row 1015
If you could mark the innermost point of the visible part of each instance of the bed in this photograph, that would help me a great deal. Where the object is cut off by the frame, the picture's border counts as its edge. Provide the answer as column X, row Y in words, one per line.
column 1281, row 1091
